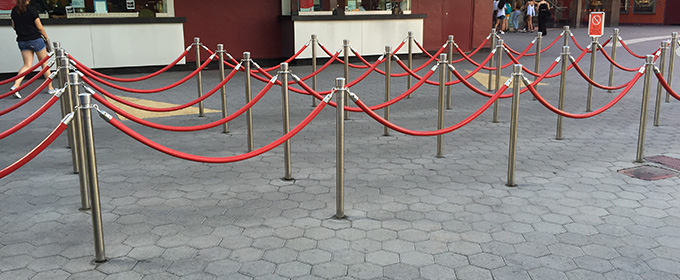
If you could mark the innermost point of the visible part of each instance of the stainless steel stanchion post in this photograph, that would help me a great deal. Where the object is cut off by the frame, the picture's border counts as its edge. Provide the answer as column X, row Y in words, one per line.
column 249, row 112
column 563, row 85
column 499, row 64
column 286, row 121
column 88, row 133
column 649, row 68
column 315, row 42
column 593, row 54
column 448, row 73
column 66, row 105
column 440, row 109
column 220, row 54
column 671, row 62
column 199, row 78
column 345, row 46
column 566, row 32
column 659, row 87
column 537, row 63
column 78, row 142
column 615, row 43
column 491, row 61
column 516, row 80
column 388, row 80
column 340, row 149
column 410, row 60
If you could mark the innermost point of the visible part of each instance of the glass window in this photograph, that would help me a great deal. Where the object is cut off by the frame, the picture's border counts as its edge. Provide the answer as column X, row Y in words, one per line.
column 351, row 6
column 94, row 8
column 644, row 6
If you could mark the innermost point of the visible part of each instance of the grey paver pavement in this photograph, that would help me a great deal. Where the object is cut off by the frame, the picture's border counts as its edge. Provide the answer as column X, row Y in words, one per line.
column 409, row 215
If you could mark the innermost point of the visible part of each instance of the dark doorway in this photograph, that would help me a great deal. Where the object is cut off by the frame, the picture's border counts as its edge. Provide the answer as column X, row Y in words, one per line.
column 672, row 10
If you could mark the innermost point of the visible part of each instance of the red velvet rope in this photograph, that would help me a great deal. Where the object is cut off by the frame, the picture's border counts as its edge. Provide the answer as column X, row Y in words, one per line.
column 523, row 53
column 375, row 107
column 129, row 80
column 473, row 52
column 548, row 47
column 464, row 122
column 576, row 43
column 24, row 85
column 27, row 98
column 616, row 64
column 107, row 83
column 30, row 118
column 29, row 70
column 666, row 86
column 33, row 153
column 182, row 155
column 167, row 109
column 629, row 50
column 185, row 128
column 592, row 82
column 586, row 115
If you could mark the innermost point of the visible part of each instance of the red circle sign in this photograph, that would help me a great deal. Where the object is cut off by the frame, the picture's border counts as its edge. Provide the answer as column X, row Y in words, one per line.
column 597, row 20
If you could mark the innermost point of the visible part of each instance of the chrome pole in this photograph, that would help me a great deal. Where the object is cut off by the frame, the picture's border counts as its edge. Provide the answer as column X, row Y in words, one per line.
column 516, row 80
column 593, row 54
column 563, row 86
column 315, row 42
column 448, row 73
column 345, row 45
column 340, row 149
column 88, row 133
column 410, row 59
column 286, row 121
column 220, row 53
column 499, row 64
column 440, row 109
column 388, row 73
column 199, row 79
column 66, row 103
column 491, row 61
column 567, row 34
column 537, row 63
column 249, row 112
column 649, row 68
column 659, row 87
column 79, row 145
column 615, row 43
column 671, row 62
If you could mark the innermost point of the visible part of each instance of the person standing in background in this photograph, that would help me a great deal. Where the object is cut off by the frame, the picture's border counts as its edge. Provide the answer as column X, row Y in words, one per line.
column 30, row 33
column 515, row 16
column 500, row 16
column 507, row 7
column 543, row 16
column 531, row 13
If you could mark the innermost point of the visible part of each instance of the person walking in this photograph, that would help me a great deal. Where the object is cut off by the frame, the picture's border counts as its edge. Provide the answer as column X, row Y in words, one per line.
column 543, row 16
column 30, row 33
column 500, row 16
column 531, row 13
column 508, row 11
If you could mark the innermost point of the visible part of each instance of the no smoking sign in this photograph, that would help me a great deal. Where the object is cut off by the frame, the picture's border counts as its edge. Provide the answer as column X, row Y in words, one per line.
column 596, row 24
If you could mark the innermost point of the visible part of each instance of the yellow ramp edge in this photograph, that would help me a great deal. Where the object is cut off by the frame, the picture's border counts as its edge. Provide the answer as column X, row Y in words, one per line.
column 483, row 78
column 156, row 104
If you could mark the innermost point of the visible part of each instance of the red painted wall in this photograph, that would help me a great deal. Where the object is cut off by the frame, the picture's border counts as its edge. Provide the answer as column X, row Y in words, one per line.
column 254, row 25
column 469, row 21
column 240, row 25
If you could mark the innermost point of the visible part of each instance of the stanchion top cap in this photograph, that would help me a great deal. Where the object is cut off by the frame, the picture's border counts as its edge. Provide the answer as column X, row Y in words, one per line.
column 220, row 47
column 340, row 82
column 314, row 37
column 246, row 55
column 388, row 48
column 565, row 49
column 345, row 42
column 284, row 66
column 517, row 68
column 197, row 40
column 566, row 27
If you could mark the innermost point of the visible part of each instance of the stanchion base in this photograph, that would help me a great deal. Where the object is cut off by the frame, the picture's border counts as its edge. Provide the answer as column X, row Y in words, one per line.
column 84, row 209
column 511, row 185
column 288, row 180
column 98, row 262
column 335, row 217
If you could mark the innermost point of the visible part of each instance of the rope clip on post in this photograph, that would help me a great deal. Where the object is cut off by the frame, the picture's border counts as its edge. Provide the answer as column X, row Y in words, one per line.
column 68, row 118
column 354, row 97
column 329, row 96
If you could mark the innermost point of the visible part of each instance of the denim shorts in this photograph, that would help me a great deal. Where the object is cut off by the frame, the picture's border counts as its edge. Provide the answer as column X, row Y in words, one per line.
column 32, row 45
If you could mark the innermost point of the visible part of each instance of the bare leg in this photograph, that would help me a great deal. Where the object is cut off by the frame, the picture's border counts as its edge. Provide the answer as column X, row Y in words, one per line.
column 42, row 54
column 27, row 56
